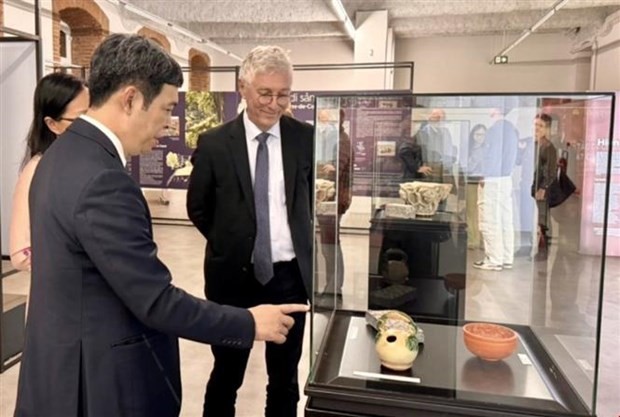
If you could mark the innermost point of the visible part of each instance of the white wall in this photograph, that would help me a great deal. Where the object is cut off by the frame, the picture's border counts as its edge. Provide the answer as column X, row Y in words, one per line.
column 17, row 84
column 18, row 14
column 311, row 52
column 461, row 64
column 371, row 36
column 606, row 59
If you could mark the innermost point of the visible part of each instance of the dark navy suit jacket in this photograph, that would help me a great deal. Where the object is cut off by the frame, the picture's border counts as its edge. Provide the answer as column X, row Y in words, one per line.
column 103, row 316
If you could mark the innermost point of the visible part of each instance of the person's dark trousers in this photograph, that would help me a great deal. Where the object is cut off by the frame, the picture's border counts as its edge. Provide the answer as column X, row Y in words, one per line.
column 332, row 252
column 282, row 360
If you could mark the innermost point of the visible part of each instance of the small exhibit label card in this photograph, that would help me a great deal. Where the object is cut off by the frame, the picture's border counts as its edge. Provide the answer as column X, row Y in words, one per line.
column 398, row 378
column 525, row 360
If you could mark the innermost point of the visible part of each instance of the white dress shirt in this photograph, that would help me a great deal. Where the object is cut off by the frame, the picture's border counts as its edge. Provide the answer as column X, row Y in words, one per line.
column 281, row 241
column 113, row 138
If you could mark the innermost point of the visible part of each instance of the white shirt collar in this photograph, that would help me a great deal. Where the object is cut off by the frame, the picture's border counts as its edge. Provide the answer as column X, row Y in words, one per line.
column 113, row 138
column 251, row 130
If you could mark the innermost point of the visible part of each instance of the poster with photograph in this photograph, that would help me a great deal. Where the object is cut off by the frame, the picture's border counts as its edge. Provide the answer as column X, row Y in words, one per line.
column 367, row 121
column 168, row 165
column 386, row 148
column 376, row 132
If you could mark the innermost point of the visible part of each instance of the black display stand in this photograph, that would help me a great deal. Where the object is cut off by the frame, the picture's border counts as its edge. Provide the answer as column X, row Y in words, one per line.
column 434, row 252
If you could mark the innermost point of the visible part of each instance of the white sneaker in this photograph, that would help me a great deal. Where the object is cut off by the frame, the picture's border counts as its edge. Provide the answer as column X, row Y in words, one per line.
column 487, row 266
column 507, row 266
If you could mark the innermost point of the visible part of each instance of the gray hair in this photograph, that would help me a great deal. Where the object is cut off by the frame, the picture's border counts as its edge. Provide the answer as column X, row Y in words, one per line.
column 265, row 59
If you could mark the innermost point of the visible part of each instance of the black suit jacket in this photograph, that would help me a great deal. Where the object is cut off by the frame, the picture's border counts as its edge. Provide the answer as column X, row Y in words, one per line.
column 410, row 155
column 220, row 202
column 102, row 311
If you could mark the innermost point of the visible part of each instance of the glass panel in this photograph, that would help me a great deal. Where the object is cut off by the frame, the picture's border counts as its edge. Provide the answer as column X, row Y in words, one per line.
column 456, row 213
column 328, row 264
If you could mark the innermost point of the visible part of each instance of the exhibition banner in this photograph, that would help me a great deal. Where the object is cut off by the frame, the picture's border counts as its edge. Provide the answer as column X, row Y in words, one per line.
column 369, row 122
column 598, row 145
column 168, row 164
column 374, row 126
column 377, row 130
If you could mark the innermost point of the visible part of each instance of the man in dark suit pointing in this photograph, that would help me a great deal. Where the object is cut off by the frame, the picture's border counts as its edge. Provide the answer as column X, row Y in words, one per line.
column 103, row 318
column 250, row 196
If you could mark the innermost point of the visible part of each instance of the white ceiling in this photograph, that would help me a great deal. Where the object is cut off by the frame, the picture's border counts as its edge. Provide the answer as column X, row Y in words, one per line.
column 234, row 21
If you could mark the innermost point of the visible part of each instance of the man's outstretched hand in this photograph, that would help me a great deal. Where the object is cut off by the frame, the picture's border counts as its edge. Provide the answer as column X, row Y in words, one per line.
column 272, row 322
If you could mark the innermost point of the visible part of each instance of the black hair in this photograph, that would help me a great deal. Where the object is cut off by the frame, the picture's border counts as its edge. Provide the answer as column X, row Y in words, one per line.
column 473, row 131
column 52, row 95
column 122, row 60
column 545, row 118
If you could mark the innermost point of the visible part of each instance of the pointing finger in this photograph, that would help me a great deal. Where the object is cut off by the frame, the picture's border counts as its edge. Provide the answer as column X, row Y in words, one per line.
column 293, row 308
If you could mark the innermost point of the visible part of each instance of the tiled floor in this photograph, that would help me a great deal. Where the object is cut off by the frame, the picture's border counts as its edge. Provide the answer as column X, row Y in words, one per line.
column 560, row 293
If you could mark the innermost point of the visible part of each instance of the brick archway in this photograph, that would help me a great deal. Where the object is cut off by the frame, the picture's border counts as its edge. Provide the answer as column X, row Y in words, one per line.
column 2, row 15
column 199, row 76
column 89, row 26
column 155, row 36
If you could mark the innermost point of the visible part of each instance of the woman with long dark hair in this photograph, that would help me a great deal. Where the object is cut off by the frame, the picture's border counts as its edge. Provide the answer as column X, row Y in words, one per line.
column 58, row 100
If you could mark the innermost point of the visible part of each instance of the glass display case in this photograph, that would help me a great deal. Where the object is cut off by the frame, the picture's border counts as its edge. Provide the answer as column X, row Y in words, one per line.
column 486, row 219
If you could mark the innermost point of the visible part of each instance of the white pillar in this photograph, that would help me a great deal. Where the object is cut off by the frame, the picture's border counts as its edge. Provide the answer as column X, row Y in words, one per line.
column 582, row 70
column 374, row 42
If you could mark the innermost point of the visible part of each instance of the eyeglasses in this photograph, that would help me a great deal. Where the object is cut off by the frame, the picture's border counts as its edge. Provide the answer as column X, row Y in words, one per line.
column 281, row 99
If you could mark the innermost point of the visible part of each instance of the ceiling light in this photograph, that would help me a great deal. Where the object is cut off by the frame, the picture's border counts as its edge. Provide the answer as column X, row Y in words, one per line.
column 342, row 15
column 527, row 32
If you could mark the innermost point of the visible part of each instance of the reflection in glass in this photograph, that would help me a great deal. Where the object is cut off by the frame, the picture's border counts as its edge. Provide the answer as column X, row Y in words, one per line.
column 493, row 249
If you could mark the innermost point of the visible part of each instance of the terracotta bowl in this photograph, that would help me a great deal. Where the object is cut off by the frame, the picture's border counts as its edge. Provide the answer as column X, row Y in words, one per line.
column 488, row 341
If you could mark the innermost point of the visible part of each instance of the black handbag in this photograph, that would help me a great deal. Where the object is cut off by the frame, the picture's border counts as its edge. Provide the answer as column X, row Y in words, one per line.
column 560, row 189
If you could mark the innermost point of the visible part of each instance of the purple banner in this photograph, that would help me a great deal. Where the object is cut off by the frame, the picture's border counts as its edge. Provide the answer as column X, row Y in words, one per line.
column 370, row 122
column 168, row 164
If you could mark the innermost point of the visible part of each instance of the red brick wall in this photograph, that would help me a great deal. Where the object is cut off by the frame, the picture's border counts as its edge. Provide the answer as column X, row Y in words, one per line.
column 1, row 15
column 199, row 76
column 89, row 26
column 155, row 36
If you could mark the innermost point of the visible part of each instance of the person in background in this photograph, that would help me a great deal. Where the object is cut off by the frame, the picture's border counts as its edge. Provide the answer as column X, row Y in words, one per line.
column 546, row 170
column 495, row 193
column 329, row 227
column 327, row 138
column 58, row 100
column 103, row 316
column 250, row 195
column 438, row 152
column 475, row 161
column 410, row 154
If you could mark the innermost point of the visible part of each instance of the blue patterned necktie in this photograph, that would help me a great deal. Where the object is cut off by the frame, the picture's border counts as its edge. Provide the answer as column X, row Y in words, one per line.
column 263, row 264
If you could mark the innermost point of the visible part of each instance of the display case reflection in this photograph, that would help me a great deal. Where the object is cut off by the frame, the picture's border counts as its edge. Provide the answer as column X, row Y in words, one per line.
column 441, row 224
